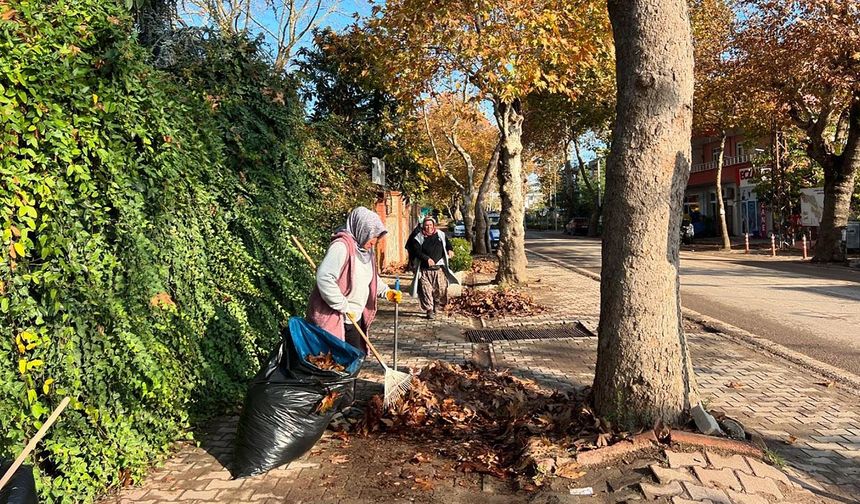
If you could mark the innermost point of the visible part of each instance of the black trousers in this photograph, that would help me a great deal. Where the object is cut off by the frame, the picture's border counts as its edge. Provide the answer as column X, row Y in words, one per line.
column 352, row 337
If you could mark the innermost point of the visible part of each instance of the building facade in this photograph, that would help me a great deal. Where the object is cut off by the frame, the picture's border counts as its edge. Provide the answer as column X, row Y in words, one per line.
column 745, row 211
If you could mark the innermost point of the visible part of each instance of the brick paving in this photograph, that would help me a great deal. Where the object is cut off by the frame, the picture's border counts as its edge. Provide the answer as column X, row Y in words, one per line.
column 814, row 428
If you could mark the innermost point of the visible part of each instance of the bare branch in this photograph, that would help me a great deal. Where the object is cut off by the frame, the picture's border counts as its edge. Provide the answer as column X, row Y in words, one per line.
column 581, row 163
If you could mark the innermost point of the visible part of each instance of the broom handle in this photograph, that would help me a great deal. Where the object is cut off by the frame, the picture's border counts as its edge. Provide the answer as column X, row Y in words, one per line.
column 33, row 442
column 366, row 339
column 351, row 318
column 304, row 252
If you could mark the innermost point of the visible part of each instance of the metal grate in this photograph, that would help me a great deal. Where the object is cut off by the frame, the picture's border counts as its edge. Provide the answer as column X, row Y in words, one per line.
column 576, row 330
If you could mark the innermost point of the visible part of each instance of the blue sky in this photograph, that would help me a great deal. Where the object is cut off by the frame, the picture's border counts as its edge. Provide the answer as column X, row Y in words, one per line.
column 339, row 20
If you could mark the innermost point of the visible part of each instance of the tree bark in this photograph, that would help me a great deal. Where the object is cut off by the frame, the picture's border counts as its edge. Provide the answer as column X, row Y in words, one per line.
column 481, row 240
column 467, row 189
column 643, row 371
column 721, row 207
column 512, row 244
column 839, row 173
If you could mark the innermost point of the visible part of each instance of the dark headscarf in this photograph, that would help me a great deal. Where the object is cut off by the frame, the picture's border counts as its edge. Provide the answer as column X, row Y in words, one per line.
column 364, row 225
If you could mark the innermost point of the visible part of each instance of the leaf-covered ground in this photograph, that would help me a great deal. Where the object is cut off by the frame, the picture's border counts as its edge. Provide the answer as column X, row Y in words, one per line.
column 493, row 303
column 491, row 422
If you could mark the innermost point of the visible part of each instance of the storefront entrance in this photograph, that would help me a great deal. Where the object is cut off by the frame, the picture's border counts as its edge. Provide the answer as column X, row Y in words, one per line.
column 749, row 217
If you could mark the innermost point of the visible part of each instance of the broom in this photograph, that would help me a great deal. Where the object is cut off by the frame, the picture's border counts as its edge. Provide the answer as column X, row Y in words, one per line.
column 397, row 383
column 33, row 442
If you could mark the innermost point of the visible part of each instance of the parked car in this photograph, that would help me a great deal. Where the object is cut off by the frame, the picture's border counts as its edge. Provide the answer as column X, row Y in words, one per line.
column 459, row 229
column 577, row 226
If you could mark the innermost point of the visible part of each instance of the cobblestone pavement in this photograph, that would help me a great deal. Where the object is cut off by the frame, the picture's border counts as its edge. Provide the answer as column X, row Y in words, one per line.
column 814, row 427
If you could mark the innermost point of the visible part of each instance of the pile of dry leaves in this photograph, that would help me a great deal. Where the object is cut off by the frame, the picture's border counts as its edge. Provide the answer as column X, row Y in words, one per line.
column 396, row 269
column 492, row 422
column 325, row 361
column 484, row 265
column 493, row 303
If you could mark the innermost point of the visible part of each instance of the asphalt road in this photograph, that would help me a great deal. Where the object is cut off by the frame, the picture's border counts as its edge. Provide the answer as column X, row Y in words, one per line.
column 811, row 309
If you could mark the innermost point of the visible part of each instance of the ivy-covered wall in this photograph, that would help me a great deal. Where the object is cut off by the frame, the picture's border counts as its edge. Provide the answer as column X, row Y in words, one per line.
column 144, row 222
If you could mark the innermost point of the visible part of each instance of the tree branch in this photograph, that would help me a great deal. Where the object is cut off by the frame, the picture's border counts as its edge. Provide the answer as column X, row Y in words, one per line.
column 436, row 152
column 581, row 163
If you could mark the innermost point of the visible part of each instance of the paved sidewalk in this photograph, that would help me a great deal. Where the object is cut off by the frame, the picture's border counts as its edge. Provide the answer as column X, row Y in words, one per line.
column 815, row 428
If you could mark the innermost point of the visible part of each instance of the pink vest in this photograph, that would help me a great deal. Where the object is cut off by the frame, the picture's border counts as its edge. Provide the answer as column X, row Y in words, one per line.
column 321, row 314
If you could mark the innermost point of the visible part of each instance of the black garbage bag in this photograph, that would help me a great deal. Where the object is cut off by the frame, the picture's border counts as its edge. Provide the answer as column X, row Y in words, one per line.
column 21, row 489
column 285, row 413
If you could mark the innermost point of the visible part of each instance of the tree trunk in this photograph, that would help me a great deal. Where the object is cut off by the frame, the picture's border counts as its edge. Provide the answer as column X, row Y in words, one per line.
column 481, row 240
column 839, row 174
column 468, row 189
column 468, row 210
column 512, row 244
column 721, row 208
column 643, row 371
column 594, row 222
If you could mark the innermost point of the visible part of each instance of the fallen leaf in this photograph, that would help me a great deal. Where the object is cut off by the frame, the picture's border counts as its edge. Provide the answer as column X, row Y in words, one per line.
column 791, row 440
column 327, row 403
column 325, row 361
column 734, row 385
column 419, row 458
column 339, row 459
column 423, row 484
column 568, row 468
column 827, row 384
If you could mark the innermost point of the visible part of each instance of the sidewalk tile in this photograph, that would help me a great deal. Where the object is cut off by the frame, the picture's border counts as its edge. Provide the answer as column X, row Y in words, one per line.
column 654, row 491
column 741, row 498
column 720, row 478
column 757, row 485
column 734, row 462
column 700, row 493
column 682, row 459
column 665, row 475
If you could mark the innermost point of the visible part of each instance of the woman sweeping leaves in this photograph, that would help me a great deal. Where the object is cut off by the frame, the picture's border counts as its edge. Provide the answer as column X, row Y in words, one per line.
column 347, row 279
column 431, row 251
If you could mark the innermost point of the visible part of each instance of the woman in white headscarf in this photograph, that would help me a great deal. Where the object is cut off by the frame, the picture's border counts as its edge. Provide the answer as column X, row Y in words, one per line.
column 347, row 279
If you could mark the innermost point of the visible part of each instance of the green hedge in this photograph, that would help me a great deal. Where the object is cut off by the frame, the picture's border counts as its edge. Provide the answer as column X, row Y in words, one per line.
column 145, row 219
column 462, row 260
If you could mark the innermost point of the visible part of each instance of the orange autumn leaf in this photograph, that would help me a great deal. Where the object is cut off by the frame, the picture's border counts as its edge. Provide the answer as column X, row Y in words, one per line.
column 327, row 403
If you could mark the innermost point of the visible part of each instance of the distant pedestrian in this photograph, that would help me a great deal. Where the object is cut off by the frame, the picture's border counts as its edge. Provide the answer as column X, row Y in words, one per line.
column 412, row 259
column 347, row 279
column 433, row 273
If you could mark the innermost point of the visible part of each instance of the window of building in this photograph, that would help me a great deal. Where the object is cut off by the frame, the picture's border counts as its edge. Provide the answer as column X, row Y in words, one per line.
column 739, row 149
column 715, row 153
column 692, row 209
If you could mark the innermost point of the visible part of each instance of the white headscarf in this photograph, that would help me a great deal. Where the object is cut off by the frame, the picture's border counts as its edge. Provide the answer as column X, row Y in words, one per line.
column 364, row 225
